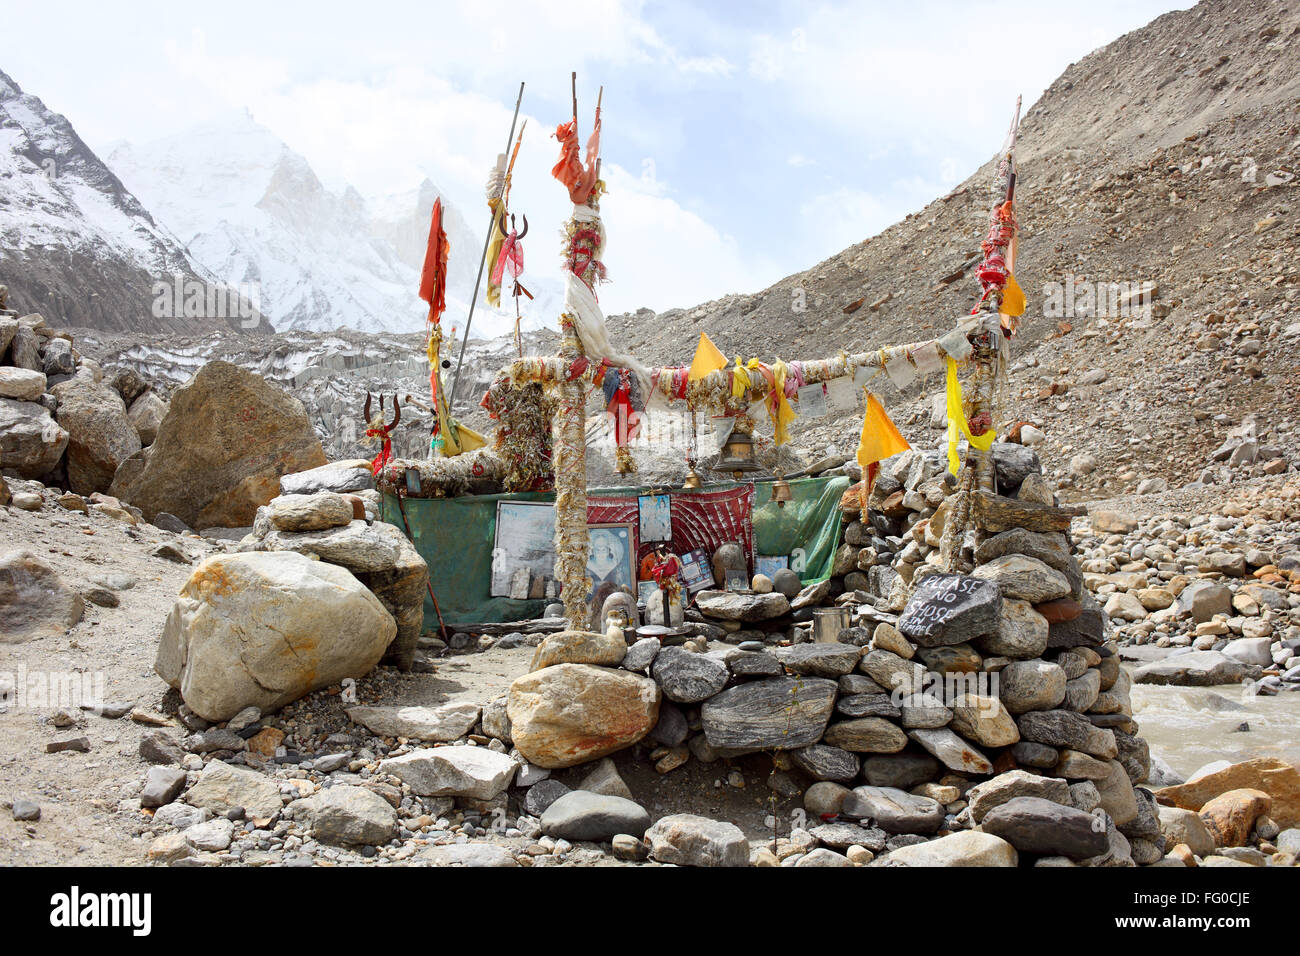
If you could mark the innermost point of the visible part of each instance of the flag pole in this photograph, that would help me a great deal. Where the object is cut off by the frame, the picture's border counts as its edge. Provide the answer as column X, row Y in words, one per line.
column 487, row 240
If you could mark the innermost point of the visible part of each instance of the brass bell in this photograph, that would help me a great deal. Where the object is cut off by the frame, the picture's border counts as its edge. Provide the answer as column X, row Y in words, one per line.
column 781, row 492
column 737, row 455
column 692, row 479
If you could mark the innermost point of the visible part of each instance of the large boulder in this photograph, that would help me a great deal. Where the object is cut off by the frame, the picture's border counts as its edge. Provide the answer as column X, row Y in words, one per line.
column 34, row 602
column 219, row 454
column 100, row 434
column 379, row 555
column 1279, row 779
column 31, row 442
column 569, row 714
column 263, row 629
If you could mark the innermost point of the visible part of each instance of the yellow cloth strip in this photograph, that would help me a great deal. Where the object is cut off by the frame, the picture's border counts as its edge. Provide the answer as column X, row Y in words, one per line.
column 957, row 421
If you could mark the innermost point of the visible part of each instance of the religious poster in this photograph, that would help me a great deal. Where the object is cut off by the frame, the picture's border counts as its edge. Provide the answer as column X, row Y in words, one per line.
column 769, row 564
column 611, row 558
column 655, row 517
column 525, row 539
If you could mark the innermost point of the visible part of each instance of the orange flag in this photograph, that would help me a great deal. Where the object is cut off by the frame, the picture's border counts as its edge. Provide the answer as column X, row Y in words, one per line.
column 707, row 359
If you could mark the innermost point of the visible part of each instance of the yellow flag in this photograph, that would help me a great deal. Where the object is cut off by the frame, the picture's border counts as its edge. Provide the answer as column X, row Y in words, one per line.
column 707, row 359
column 957, row 421
column 881, row 438
column 1013, row 298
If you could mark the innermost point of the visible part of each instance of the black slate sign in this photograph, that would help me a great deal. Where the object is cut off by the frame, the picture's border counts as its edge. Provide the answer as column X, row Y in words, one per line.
column 948, row 609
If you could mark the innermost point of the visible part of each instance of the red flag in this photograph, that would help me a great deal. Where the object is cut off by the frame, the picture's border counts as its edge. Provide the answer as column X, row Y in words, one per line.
column 433, row 277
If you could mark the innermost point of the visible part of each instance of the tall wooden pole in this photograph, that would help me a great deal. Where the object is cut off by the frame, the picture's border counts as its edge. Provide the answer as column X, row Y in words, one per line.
column 487, row 240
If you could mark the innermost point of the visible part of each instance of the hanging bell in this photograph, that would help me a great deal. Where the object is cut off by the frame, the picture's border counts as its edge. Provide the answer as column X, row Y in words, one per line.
column 781, row 492
column 692, row 479
column 737, row 455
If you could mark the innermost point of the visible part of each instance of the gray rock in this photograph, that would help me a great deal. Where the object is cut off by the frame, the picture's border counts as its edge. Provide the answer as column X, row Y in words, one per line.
column 475, row 772
column 823, row 762
column 339, row 476
column 449, row 721
column 1193, row 669
column 1025, row 578
column 784, row 713
column 901, row 771
column 580, row 815
column 894, row 811
column 685, row 839
column 866, row 735
column 748, row 608
column 161, row 786
column 841, row 836
column 688, row 678
column 641, row 655
column 348, row 816
column 31, row 442
column 158, row 747
column 952, row 751
column 26, row 811
column 672, row 729
column 1035, row 825
column 541, row 795
column 819, row 660
column 1012, row 785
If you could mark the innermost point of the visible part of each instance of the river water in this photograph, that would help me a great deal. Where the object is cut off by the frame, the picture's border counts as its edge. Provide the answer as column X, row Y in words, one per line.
column 1192, row 726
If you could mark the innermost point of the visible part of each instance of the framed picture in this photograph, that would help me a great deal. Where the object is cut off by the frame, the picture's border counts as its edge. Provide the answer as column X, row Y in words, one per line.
column 737, row 580
column 656, row 518
column 611, row 558
column 643, row 591
column 696, row 573
column 769, row 564
column 525, row 539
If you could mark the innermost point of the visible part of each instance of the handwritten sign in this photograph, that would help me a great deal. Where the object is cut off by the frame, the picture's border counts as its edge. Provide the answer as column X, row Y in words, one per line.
column 948, row 609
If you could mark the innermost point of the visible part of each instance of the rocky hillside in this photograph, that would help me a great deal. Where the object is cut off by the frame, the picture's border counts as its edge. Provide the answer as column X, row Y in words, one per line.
column 75, row 245
column 1169, row 157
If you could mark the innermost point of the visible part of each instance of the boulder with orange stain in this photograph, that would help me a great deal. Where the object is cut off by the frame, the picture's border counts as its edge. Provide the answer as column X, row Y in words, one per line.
column 568, row 714
column 262, row 629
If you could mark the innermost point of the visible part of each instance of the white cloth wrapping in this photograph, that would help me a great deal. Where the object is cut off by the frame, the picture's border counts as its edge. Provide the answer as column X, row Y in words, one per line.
column 580, row 302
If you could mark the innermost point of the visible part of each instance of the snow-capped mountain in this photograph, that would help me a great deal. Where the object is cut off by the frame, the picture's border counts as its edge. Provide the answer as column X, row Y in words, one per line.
column 75, row 244
column 253, row 211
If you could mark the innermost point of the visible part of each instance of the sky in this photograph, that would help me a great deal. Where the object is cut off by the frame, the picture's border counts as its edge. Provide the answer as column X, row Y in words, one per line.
column 742, row 142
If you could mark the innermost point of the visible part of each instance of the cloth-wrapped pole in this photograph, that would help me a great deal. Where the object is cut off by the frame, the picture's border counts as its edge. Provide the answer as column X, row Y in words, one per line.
column 570, row 458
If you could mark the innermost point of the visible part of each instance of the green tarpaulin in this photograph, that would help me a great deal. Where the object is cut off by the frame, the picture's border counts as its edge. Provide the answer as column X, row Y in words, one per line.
column 807, row 528
column 455, row 536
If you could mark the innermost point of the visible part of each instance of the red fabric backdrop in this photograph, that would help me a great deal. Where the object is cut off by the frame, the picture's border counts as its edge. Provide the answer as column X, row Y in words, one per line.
column 705, row 519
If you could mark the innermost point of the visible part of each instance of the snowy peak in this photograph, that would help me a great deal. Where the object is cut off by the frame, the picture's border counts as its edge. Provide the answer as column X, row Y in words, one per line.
column 75, row 244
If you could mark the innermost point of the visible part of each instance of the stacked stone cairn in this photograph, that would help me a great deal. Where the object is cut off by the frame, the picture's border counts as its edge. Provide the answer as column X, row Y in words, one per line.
column 978, row 718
